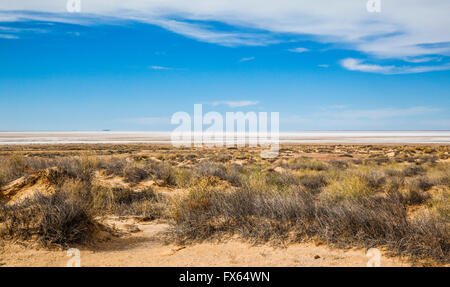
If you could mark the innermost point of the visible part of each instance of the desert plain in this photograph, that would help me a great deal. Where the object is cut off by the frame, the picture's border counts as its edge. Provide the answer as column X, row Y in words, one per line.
column 151, row 204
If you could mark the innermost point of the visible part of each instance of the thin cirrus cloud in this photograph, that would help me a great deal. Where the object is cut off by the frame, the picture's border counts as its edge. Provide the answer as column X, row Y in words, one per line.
column 360, row 65
column 14, row 33
column 246, row 59
column 402, row 30
column 160, row 68
column 422, row 59
column 208, row 34
column 8, row 36
column 235, row 104
column 165, row 68
column 298, row 50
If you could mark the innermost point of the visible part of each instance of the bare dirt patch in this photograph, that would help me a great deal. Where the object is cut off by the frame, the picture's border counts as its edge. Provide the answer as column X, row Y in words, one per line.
column 146, row 248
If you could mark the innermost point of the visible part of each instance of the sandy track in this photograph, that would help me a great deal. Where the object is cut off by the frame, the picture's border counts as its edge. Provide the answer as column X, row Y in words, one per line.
column 144, row 248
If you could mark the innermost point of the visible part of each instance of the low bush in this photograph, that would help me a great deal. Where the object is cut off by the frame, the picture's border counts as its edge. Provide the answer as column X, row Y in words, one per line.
column 304, row 163
column 207, row 168
column 164, row 172
column 135, row 174
column 120, row 201
column 349, row 187
column 295, row 216
column 440, row 203
column 53, row 219
column 114, row 166
column 313, row 182
column 415, row 197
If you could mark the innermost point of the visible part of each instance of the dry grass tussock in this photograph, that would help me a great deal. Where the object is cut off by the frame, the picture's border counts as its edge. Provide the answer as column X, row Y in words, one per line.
column 296, row 216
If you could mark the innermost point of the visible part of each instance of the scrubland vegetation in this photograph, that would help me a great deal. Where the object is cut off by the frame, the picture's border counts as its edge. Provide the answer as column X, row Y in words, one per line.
column 391, row 197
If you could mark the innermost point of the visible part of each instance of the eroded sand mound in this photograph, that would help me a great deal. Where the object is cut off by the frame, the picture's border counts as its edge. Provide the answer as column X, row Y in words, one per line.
column 42, row 181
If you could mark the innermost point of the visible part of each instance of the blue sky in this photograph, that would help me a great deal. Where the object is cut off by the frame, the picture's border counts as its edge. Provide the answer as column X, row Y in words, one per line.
column 131, row 67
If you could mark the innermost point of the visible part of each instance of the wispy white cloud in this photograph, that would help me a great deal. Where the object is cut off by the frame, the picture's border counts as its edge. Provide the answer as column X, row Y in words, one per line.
column 422, row 59
column 396, row 33
column 235, row 104
column 323, row 66
column 359, row 65
column 246, row 59
column 298, row 50
column 15, row 33
column 8, row 36
column 159, row 68
column 209, row 34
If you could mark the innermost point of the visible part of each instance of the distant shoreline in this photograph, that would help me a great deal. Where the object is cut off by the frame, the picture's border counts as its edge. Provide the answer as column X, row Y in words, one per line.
column 306, row 137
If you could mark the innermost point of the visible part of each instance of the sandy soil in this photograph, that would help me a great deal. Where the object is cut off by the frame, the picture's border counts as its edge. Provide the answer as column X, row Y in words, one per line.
column 142, row 246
